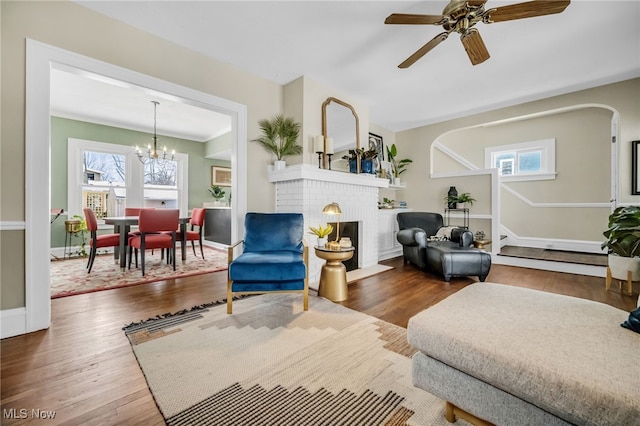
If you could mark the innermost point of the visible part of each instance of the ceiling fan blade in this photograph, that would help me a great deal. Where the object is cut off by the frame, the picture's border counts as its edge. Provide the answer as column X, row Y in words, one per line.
column 424, row 50
column 474, row 46
column 409, row 19
column 528, row 9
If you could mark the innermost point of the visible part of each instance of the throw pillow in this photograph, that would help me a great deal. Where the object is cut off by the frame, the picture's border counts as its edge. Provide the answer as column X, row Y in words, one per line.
column 633, row 323
column 444, row 233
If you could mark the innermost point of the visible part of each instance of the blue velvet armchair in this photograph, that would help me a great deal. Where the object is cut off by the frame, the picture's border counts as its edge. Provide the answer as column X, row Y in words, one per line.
column 274, row 258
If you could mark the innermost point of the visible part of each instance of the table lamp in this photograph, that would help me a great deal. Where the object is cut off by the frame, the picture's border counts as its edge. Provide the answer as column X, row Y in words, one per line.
column 334, row 208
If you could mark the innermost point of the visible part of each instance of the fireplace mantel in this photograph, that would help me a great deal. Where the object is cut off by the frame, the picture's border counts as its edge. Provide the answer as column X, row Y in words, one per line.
column 309, row 172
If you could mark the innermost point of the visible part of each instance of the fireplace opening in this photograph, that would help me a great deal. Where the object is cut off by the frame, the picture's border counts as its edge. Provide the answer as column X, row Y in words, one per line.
column 348, row 229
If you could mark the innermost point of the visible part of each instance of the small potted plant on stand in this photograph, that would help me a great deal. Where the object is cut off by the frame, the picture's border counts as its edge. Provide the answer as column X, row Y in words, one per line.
column 623, row 245
column 217, row 193
column 322, row 233
column 397, row 166
column 464, row 199
column 280, row 137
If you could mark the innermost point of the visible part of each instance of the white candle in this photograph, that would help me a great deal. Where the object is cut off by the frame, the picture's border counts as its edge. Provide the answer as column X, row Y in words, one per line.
column 318, row 145
column 329, row 146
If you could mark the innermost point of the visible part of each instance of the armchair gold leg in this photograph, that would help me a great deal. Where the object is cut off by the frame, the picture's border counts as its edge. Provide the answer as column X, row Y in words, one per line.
column 229, row 298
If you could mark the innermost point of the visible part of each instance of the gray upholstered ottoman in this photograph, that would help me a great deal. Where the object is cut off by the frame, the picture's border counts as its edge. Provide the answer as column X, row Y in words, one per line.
column 516, row 356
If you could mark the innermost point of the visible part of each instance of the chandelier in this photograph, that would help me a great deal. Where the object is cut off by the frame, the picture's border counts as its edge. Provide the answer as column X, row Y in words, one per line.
column 152, row 152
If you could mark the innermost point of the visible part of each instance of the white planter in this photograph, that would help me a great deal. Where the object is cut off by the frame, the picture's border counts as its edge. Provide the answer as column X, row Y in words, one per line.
column 322, row 241
column 279, row 164
column 620, row 265
column 397, row 181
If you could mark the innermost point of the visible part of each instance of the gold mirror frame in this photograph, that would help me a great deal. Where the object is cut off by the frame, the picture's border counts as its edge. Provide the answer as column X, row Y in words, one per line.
column 325, row 104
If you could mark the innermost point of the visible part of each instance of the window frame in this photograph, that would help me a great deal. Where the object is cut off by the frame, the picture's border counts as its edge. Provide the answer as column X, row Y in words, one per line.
column 547, row 147
column 134, row 173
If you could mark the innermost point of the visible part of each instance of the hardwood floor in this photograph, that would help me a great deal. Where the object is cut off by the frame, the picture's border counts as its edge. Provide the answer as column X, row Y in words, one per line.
column 83, row 370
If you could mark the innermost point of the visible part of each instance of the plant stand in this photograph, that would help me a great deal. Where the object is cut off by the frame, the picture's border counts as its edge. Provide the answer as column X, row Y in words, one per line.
column 72, row 227
column 465, row 216
column 609, row 279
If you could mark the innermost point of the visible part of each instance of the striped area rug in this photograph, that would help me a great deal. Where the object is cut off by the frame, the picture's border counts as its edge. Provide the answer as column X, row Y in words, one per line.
column 271, row 363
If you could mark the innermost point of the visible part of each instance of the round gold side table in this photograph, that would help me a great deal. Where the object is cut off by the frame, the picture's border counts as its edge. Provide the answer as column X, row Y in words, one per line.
column 480, row 244
column 333, row 276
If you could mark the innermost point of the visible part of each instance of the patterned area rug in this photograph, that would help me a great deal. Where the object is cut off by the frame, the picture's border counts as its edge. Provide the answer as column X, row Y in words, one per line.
column 273, row 363
column 69, row 277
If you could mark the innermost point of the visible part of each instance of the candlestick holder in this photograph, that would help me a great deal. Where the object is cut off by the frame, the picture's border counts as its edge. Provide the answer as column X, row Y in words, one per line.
column 329, row 155
column 319, row 159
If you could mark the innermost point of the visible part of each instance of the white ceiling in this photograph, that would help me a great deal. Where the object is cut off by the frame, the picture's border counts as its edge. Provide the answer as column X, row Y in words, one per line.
column 346, row 46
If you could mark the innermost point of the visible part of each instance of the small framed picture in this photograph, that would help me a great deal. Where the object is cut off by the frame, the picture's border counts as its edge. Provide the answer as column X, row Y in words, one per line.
column 375, row 141
column 635, row 162
column 385, row 170
column 220, row 176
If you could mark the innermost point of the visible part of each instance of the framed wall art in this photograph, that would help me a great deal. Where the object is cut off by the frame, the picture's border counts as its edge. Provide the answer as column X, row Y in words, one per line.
column 376, row 141
column 220, row 176
column 635, row 161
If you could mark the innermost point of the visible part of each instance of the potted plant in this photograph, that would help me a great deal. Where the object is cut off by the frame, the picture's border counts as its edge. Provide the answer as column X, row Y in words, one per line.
column 217, row 193
column 397, row 166
column 322, row 233
column 623, row 242
column 280, row 137
column 464, row 198
column 366, row 160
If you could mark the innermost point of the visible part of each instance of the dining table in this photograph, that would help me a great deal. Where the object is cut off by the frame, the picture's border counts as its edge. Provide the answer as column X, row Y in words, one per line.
column 122, row 225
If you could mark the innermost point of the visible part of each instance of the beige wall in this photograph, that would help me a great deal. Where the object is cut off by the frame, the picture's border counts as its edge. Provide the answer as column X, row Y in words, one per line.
column 424, row 193
column 80, row 30
column 313, row 94
column 583, row 166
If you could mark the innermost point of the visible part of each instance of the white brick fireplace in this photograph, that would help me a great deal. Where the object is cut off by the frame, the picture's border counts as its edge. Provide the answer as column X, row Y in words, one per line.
column 306, row 189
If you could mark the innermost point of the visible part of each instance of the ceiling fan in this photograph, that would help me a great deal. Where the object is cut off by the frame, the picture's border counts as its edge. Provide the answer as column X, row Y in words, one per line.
column 462, row 15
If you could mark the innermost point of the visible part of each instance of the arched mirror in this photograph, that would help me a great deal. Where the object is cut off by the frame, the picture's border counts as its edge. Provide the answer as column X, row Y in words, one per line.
column 340, row 123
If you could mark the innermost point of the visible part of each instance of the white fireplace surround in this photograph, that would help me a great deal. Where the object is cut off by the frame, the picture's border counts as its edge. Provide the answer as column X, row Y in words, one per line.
column 306, row 189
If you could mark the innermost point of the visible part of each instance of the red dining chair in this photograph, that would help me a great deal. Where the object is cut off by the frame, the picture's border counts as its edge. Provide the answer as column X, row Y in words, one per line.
column 197, row 219
column 157, row 229
column 132, row 211
column 98, row 241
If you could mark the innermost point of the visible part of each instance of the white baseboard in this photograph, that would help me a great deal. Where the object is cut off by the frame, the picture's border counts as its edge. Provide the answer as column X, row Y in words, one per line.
column 569, row 268
column 13, row 322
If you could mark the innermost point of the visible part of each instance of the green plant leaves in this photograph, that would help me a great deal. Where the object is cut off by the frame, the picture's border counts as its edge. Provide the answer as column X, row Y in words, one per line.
column 623, row 234
column 279, row 136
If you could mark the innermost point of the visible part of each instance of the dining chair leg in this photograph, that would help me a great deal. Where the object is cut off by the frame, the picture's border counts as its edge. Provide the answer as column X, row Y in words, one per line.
column 92, row 257
column 193, row 246
column 201, row 249
column 142, row 250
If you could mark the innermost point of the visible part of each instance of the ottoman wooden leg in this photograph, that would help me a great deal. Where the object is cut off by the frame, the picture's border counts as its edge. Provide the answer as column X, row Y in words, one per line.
column 449, row 414
column 608, row 279
column 452, row 413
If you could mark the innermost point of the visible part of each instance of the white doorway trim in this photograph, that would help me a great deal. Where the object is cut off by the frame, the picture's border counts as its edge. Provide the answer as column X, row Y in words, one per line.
column 39, row 62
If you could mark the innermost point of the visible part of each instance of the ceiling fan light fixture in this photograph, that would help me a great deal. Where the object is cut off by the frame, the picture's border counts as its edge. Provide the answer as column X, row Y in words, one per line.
column 475, row 47
column 461, row 15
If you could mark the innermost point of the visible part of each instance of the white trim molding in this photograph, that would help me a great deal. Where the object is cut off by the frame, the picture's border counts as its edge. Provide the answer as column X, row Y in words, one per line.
column 12, row 225
column 14, row 322
column 40, row 59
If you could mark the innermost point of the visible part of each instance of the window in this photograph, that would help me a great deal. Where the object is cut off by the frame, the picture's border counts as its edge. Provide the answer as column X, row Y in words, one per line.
column 108, row 177
column 533, row 160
